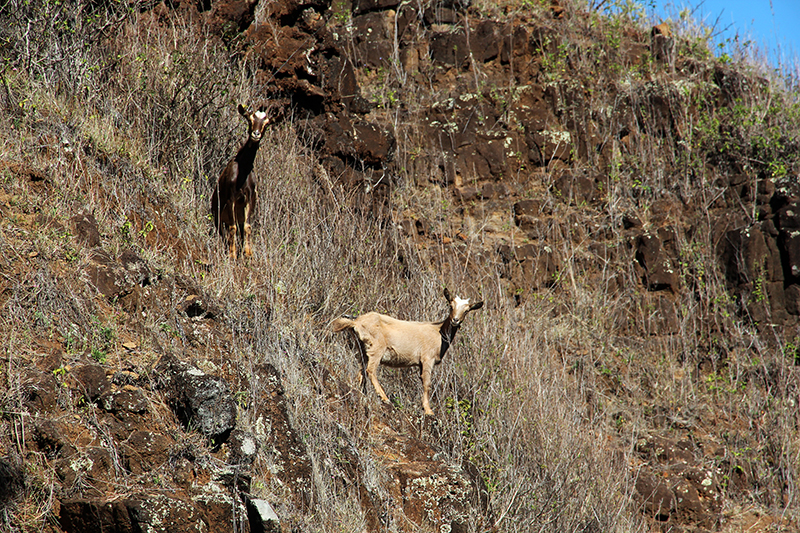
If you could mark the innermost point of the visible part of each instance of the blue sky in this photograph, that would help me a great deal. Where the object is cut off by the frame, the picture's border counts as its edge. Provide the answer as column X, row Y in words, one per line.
column 773, row 24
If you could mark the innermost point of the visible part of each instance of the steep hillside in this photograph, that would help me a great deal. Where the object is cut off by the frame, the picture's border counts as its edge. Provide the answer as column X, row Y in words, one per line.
column 625, row 204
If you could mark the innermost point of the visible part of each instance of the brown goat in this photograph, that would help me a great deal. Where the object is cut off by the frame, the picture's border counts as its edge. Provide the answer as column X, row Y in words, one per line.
column 235, row 195
column 400, row 343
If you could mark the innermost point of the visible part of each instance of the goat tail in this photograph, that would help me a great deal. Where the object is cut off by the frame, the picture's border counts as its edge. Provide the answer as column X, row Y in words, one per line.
column 343, row 323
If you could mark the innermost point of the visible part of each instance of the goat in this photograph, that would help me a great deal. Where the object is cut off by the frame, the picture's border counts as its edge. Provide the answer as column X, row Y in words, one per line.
column 235, row 195
column 400, row 343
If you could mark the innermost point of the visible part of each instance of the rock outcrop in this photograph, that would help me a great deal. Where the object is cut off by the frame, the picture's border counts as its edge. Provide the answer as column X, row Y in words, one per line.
column 525, row 150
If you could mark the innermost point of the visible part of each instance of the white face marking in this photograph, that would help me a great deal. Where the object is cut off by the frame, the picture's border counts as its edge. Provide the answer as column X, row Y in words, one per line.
column 258, row 122
column 460, row 308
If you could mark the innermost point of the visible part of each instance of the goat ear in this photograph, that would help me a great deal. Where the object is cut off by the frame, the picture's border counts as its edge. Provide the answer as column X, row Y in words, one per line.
column 243, row 110
column 447, row 295
column 476, row 305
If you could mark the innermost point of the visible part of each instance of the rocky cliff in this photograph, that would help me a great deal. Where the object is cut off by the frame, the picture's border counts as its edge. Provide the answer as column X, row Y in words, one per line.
column 625, row 203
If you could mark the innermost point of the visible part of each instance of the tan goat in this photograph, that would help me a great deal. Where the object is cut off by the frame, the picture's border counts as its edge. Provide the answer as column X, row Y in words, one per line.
column 400, row 343
column 236, row 192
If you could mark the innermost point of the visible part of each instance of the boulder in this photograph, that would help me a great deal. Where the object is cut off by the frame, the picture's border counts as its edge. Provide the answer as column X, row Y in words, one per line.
column 792, row 295
column 656, row 497
column 92, row 381
column 201, row 402
column 145, row 451
column 160, row 513
column 39, row 390
column 429, row 492
column 658, row 272
column 575, row 188
column 12, row 481
column 93, row 463
column 129, row 399
column 51, row 436
column 277, row 436
column 531, row 266
column 526, row 213
column 366, row 6
column 789, row 226
column 373, row 39
column 114, row 278
column 662, row 44
column 242, row 448
column 450, row 48
column 87, row 515
column 85, row 229
column 262, row 517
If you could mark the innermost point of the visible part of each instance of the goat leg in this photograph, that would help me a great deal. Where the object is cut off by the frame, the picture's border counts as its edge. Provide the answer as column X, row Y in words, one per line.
column 232, row 240
column 247, row 230
column 362, row 378
column 426, row 387
column 372, row 368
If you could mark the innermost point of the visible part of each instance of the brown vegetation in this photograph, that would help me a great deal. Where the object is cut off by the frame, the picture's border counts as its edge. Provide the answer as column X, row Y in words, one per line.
column 624, row 202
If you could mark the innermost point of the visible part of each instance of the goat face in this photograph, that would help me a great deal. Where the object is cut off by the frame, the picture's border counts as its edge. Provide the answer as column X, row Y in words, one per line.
column 459, row 308
column 256, row 122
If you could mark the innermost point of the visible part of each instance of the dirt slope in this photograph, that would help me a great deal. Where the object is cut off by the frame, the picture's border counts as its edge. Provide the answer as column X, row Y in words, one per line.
column 626, row 204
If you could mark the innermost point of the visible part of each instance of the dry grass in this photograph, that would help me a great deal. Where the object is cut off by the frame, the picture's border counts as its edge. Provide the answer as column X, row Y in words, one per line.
column 134, row 129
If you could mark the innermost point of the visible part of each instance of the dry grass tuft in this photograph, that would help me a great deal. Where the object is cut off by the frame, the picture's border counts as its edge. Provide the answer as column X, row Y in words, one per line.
column 546, row 395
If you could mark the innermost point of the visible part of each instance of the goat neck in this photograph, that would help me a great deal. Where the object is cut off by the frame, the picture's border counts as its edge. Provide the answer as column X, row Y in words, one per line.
column 447, row 330
column 256, row 123
column 245, row 159
column 449, row 327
